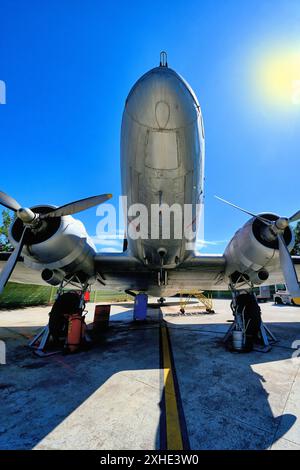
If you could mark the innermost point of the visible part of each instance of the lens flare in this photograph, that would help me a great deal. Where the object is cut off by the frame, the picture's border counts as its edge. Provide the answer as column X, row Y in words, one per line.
column 278, row 77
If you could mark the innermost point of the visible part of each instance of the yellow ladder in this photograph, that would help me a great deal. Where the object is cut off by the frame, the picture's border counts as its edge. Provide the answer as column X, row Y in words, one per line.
column 204, row 300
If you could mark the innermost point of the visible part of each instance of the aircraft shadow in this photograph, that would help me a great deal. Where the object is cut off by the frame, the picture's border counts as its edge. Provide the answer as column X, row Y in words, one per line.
column 224, row 396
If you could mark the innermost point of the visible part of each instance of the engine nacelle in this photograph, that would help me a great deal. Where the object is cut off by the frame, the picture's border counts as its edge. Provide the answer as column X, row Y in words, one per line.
column 249, row 254
column 60, row 246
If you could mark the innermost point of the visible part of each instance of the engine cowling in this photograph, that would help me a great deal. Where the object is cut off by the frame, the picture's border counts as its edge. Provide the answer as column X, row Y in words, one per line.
column 60, row 246
column 251, row 255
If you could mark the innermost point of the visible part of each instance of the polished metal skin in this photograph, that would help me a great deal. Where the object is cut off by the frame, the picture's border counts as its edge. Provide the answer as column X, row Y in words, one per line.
column 33, row 227
column 162, row 157
column 69, row 249
column 270, row 231
column 249, row 253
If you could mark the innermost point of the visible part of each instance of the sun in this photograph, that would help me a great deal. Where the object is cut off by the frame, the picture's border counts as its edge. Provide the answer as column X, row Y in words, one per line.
column 278, row 77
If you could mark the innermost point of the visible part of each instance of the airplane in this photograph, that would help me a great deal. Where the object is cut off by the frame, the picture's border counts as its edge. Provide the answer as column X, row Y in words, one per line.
column 162, row 163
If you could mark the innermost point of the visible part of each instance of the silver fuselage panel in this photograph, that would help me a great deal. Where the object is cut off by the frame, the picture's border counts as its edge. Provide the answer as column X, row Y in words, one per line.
column 162, row 158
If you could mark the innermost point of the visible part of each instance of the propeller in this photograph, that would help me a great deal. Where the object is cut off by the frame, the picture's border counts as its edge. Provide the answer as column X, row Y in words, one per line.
column 275, row 230
column 33, row 222
column 77, row 206
column 266, row 221
column 295, row 217
column 9, row 202
column 288, row 268
column 12, row 260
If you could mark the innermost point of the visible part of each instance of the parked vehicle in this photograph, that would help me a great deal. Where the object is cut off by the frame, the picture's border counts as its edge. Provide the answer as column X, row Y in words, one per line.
column 264, row 294
column 282, row 296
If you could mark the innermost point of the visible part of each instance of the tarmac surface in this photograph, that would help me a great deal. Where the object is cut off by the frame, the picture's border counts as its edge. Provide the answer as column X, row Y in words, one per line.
column 167, row 383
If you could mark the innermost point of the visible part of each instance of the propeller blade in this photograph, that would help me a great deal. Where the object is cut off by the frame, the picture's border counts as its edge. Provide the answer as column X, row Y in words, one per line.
column 77, row 206
column 288, row 268
column 295, row 217
column 266, row 221
column 11, row 262
column 9, row 202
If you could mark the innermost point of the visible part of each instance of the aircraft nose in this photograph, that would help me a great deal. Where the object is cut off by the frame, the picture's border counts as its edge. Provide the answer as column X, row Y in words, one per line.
column 162, row 100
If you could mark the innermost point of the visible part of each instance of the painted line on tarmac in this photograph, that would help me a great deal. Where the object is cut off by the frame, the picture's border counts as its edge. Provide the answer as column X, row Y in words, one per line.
column 173, row 430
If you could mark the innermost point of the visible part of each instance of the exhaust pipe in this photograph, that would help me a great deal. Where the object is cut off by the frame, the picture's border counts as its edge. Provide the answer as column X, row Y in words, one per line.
column 53, row 277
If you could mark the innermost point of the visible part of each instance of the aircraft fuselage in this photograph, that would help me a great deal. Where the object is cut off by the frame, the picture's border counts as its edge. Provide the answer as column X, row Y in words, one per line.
column 162, row 159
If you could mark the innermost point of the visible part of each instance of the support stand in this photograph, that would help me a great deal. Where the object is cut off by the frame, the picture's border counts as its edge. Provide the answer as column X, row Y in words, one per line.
column 265, row 336
column 41, row 340
column 229, row 331
column 140, row 307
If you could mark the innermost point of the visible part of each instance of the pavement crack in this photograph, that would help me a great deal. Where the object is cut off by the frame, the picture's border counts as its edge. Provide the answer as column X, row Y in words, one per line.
column 142, row 382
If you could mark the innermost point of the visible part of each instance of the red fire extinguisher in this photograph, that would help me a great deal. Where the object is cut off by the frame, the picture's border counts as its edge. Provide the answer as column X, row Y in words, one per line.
column 76, row 332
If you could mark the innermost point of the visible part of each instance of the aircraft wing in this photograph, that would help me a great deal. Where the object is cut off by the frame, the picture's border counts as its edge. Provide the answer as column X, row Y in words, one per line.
column 118, row 271
column 276, row 276
column 201, row 272
column 22, row 273
column 115, row 271
column 207, row 272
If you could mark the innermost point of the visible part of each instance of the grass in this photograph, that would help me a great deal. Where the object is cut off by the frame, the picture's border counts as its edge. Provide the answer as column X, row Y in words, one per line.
column 17, row 295
column 24, row 295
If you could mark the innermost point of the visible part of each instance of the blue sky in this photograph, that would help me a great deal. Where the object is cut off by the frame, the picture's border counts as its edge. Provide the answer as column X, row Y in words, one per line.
column 68, row 66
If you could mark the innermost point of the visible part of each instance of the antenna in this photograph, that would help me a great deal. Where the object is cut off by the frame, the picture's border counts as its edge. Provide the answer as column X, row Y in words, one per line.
column 163, row 59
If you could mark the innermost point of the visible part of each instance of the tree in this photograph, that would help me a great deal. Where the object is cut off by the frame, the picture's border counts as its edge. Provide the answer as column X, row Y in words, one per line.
column 296, row 249
column 7, row 219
